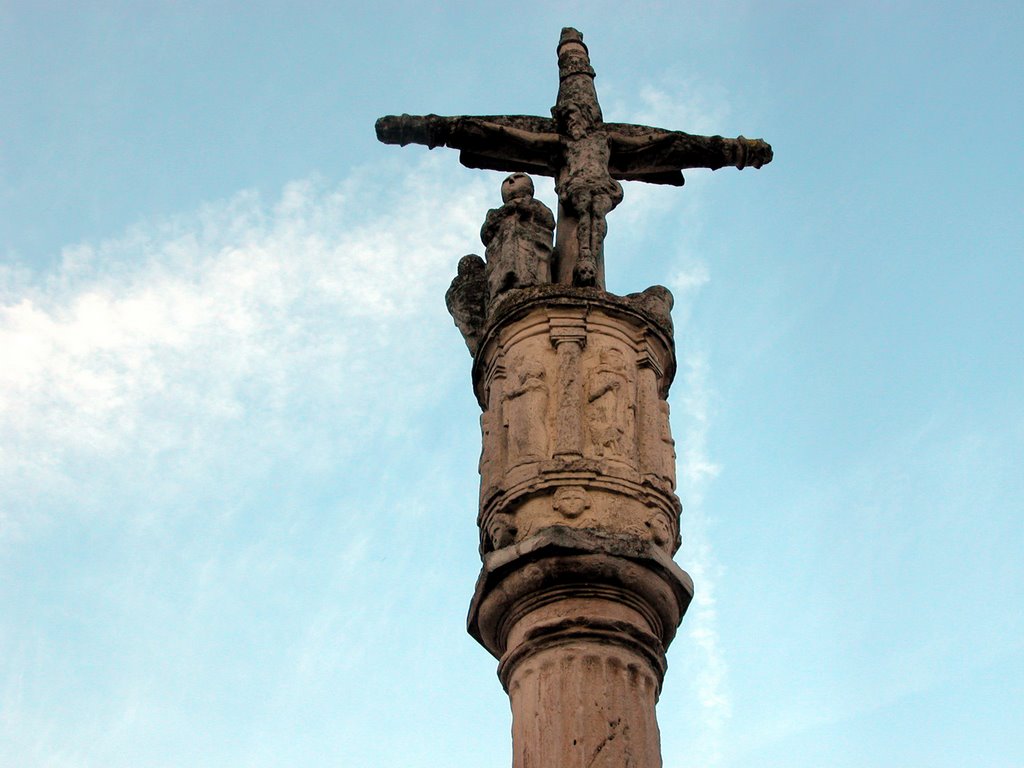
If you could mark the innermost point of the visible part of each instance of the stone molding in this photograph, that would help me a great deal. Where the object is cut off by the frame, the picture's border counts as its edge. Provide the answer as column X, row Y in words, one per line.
column 580, row 621
column 562, row 563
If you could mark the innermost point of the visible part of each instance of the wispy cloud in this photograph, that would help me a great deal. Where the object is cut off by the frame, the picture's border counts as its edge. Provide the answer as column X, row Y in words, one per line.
column 185, row 411
column 697, row 470
column 163, row 338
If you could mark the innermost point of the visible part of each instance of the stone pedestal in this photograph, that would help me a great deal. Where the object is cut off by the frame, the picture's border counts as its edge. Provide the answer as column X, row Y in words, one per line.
column 579, row 597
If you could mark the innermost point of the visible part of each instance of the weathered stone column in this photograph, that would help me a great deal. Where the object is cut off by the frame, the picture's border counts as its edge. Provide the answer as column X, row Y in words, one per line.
column 579, row 597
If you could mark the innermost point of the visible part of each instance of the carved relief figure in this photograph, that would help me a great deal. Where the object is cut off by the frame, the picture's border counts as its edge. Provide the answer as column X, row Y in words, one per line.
column 526, row 411
column 518, row 238
column 570, row 501
column 610, row 406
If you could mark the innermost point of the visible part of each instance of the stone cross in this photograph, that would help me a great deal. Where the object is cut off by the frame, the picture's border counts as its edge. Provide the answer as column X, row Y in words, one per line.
column 578, row 596
column 586, row 156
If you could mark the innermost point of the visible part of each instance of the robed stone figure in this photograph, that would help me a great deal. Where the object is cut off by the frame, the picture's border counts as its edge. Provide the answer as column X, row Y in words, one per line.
column 518, row 238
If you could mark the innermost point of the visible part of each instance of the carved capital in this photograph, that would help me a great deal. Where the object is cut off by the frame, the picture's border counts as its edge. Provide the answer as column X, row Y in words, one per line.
column 567, row 327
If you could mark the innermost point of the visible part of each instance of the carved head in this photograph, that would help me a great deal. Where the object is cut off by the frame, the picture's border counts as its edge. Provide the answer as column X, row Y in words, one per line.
column 470, row 264
column 570, row 501
column 585, row 273
column 575, row 119
column 612, row 359
column 530, row 369
column 516, row 186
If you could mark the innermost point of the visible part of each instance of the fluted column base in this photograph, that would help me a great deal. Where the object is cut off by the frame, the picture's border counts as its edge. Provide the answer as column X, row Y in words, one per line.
column 584, row 704
column 580, row 621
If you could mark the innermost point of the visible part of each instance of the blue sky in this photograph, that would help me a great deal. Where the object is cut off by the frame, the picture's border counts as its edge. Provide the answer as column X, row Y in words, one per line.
column 238, row 444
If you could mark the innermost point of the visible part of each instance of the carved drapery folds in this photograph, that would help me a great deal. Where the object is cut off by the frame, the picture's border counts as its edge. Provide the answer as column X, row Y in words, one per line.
column 525, row 411
column 611, row 407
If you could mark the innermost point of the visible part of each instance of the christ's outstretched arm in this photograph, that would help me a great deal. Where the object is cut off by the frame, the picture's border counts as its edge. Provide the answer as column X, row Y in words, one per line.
column 638, row 151
column 500, row 142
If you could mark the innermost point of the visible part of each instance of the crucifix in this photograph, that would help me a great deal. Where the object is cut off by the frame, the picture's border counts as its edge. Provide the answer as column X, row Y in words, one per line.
column 586, row 156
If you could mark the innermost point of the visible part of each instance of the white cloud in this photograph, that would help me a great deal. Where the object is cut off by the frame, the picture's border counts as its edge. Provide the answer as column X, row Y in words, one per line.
column 165, row 337
column 688, row 105
column 199, row 394
column 687, row 279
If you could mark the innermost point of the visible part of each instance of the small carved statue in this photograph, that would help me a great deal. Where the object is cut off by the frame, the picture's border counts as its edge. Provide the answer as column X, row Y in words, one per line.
column 466, row 300
column 526, row 412
column 518, row 238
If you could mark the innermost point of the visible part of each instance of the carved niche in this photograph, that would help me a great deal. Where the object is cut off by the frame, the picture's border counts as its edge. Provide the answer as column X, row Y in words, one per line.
column 525, row 409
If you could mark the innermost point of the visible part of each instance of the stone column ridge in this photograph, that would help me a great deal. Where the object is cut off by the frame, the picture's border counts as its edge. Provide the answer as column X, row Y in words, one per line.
column 583, row 631
column 579, row 597
column 527, row 595
column 584, row 704
column 584, row 475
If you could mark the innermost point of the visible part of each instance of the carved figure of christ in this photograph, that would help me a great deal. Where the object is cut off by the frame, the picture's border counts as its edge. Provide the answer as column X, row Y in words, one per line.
column 586, row 156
